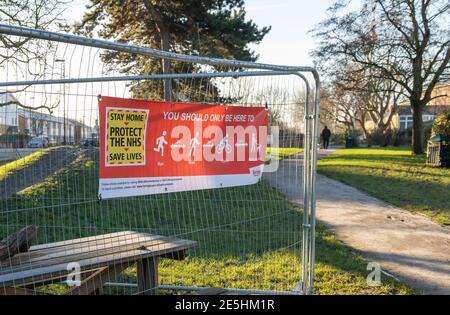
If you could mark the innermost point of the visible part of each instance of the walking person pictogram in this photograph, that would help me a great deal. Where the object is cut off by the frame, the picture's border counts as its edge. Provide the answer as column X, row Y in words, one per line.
column 194, row 143
column 255, row 147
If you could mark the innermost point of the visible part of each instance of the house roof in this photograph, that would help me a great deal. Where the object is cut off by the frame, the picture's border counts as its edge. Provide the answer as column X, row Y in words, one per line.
column 10, row 100
column 406, row 111
column 438, row 109
column 39, row 115
column 47, row 117
column 440, row 97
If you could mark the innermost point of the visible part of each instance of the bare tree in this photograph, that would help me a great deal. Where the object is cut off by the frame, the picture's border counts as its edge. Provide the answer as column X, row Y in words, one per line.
column 341, row 107
column 24, row 56
column 357, row 99
column 377, row 98
column 382, row 104
column 416, row 32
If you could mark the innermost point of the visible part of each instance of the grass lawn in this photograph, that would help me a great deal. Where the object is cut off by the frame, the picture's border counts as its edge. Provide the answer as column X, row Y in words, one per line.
column 282, row 153
column 248, row 237
column 7, row 168
column 395, row 176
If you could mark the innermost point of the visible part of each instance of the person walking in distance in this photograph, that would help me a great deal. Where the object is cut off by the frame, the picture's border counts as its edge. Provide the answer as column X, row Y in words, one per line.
column 326, row 134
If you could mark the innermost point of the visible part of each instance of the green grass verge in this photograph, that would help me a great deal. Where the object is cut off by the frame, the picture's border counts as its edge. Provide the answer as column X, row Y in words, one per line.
column 7, row 168
column 282, row 153
column 248, row 237
column 393, row 175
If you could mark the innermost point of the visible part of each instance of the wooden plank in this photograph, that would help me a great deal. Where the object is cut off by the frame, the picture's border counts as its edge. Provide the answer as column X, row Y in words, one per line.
column 171, row 247
column 40, row 274
column 32, row 253
column 94, row 283
column 18, row 242
column 55, row 278
column 81, row 240
column 18, row 291
column 28, row 258
column 147, row 275
column 67, row 257
column 176, row 255
column 119, row 244
column 89, row 285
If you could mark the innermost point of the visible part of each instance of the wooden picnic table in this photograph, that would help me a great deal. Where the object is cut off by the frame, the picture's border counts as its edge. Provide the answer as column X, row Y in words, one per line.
column 100, row 259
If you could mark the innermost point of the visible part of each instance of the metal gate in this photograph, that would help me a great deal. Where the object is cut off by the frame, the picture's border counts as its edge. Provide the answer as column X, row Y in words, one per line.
column 249, row 239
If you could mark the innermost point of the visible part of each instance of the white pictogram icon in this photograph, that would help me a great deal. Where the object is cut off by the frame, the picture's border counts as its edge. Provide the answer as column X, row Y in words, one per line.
column 160, row 142
column 255, row 147
column 223, row 144
column 194, row 143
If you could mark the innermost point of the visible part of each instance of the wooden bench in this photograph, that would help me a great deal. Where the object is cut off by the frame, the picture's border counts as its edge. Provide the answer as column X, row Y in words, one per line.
column 100, row 259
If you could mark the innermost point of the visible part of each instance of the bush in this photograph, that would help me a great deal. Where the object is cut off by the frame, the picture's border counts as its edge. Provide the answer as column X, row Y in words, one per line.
column 382, row 139
column 427, row 130
column 337, row 139
column 441, row 125
column 404, row 137
column 341, row 138
column 376, row 137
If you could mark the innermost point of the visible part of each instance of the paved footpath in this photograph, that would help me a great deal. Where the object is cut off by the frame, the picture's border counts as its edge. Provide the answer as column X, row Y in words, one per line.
column 411, row 247
column 36, row 172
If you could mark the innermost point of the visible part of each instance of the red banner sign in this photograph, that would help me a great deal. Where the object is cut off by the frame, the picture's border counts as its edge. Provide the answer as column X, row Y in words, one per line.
column 149, row 147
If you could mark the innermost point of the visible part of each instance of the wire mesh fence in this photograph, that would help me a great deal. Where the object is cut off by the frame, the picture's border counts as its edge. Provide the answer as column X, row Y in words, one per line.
column 243, row 238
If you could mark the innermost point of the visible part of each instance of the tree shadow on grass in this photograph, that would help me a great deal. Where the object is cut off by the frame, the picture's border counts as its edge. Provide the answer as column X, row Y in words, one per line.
column 406, row 192
column 435, row 172
column 253, row 232
column 412, row 160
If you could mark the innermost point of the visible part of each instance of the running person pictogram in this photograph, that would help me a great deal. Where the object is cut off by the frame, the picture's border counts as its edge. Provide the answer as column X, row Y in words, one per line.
column 160, row 142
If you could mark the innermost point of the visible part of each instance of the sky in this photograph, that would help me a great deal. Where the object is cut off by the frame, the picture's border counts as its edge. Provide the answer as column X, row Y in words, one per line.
column 288, row 43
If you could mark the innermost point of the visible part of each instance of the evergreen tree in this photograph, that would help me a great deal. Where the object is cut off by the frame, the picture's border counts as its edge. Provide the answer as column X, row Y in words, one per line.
column 213, row 28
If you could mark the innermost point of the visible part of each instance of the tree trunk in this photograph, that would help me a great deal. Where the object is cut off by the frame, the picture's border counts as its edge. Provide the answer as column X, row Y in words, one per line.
column 166, row 67
column 417, row 130
column 365, row 132
column 165, row 45
column 382, row 129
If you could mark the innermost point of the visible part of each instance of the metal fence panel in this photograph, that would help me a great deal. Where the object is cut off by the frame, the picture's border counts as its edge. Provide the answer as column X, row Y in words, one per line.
column 249, row 239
